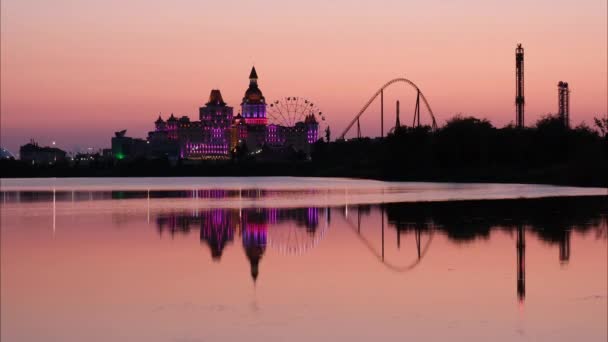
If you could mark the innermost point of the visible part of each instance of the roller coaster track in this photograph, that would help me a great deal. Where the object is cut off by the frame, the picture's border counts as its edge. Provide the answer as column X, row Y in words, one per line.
column 386, row 85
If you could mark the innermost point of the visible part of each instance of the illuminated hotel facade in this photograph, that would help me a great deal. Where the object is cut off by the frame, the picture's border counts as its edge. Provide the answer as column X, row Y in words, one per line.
column 218, row 132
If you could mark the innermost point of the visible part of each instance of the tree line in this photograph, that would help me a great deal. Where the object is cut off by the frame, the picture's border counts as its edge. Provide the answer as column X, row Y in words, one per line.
column 471, row 149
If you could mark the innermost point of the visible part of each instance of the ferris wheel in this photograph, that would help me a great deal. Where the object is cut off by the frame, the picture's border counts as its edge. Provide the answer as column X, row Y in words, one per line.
column 290, row 110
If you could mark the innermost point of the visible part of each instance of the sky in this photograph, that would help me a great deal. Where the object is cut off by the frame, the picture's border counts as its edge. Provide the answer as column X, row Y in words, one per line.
column 75, row 71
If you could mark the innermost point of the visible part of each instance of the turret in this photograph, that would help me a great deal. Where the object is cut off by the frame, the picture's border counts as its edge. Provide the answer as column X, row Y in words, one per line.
column 253, row 106
column 312, row 128
column 172, row 127
column 215, row 98
column 160, row 124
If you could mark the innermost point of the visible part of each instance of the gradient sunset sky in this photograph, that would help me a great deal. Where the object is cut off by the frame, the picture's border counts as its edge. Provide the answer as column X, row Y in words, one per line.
column 76, row 71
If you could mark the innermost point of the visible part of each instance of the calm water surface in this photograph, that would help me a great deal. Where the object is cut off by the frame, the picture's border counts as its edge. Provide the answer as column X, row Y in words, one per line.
column 299, row 259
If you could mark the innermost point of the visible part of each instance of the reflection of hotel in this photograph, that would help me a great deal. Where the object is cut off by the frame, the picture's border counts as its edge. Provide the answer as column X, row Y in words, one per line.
column 255, row 236
column 218, row 133
column 218, row 227
column 217, row 230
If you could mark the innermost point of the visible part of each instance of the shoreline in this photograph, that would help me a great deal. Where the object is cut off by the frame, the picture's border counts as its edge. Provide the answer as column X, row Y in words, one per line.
column 561, row 176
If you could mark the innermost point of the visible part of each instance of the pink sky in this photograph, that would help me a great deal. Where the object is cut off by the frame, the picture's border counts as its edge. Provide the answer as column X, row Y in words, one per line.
column 76, row 71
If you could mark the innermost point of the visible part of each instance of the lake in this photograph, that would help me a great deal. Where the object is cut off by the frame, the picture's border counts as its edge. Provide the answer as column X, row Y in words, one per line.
column 300, row 259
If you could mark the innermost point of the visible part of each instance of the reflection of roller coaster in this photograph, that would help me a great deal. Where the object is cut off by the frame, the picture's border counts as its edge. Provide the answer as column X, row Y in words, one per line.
column 418, row 229
column 380, row 92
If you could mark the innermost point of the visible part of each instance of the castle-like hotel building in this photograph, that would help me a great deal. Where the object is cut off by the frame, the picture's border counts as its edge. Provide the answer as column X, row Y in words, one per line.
column 218, row 133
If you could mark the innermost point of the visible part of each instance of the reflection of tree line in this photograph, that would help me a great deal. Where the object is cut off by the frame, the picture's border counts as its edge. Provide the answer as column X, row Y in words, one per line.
column 218, row 227
column 551, row 219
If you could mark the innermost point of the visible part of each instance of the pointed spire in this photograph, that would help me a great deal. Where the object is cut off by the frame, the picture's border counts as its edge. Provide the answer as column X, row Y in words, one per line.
column 253, row 75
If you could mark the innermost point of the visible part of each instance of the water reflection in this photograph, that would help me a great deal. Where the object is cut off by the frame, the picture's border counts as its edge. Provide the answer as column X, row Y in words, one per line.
column 159, row 259
column 521, row 263
column 552, row 220
column 295, row 231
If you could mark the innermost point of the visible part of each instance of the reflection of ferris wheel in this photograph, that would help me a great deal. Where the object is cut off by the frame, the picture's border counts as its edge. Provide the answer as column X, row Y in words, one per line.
column 291, row 239
column 290, row 110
